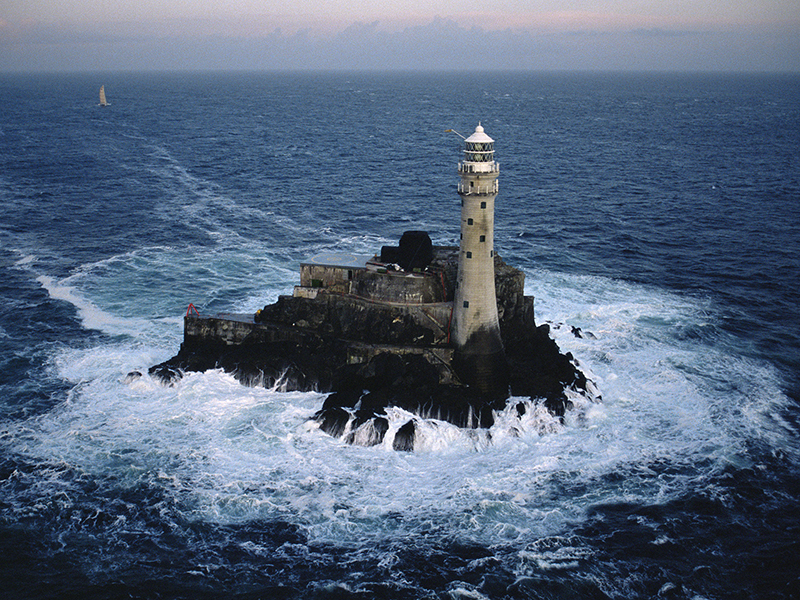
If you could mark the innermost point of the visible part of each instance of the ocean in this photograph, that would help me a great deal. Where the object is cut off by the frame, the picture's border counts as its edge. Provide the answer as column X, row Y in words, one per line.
column 658, row 213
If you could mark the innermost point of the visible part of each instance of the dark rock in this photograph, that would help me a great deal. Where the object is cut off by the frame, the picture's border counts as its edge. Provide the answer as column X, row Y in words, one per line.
column 404, row 438
column 368, row 432
column 381, row 425
column 371, row 356
column 166, row 374
column 347, row 398
column 132, row 376
column 333, row 420
column 539, row 370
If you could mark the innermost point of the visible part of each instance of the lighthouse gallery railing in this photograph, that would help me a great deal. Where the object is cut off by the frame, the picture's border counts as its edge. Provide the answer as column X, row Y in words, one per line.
column 467, row 190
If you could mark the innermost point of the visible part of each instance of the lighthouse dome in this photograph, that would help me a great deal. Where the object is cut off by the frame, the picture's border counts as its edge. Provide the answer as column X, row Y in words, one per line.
column 479, row 147
column 479, row 136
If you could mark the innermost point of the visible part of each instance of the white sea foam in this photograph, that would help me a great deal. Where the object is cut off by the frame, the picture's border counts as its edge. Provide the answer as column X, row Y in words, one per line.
column 138, row 293
column 25, row 260
column 90, row 314
column 230, row 453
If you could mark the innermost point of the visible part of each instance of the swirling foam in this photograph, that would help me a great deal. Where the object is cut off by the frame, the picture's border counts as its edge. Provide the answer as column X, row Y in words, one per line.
column 233, row 454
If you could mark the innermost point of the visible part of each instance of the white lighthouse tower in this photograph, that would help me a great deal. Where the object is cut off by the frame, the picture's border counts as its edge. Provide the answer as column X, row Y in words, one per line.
column 479, row 357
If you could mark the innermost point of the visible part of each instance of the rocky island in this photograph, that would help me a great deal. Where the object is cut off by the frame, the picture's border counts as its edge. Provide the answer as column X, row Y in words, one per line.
column 443, row 332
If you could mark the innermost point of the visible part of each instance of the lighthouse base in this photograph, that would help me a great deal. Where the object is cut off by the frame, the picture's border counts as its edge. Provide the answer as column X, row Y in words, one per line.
column 483, row 366
column 369, row 356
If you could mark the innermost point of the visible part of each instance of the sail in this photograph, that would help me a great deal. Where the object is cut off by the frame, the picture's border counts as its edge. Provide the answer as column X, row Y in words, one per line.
column 103, row 96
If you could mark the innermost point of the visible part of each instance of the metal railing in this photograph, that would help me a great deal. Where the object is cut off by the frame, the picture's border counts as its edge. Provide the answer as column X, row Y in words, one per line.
column 478, row 190
column 484, row 167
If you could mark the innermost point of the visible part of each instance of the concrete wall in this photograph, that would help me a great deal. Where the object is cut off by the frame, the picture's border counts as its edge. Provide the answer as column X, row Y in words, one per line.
column 398, row 286
column 326, row 275
column 387, row 286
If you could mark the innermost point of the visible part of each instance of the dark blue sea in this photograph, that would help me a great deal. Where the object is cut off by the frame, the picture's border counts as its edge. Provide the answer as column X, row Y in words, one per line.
column 660, row 214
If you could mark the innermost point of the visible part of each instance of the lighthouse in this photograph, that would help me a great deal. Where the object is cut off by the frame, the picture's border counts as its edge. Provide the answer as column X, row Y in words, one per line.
column 479, row 358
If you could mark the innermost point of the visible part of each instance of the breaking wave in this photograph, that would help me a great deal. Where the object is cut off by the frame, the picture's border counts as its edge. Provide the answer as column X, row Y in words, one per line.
column 227, row 454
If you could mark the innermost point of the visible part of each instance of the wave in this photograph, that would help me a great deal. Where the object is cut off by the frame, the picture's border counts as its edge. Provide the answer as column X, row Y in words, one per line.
column 676, row 412
column 90, row 314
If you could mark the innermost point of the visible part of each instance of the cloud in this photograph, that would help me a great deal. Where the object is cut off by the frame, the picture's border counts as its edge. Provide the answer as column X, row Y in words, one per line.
column 439, row 44
column 656, row 32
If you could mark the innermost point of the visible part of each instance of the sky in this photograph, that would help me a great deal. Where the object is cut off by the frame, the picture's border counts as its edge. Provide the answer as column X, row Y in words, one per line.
column 616, row 35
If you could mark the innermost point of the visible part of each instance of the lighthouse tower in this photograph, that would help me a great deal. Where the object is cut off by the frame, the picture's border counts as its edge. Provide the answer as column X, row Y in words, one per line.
column 479, row 357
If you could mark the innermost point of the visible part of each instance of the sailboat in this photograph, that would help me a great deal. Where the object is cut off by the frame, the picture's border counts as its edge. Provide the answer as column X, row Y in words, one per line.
column 103, row 96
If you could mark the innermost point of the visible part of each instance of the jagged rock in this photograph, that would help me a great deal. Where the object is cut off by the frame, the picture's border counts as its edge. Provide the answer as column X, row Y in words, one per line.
column 132, row 376
column 404, row 438
column 333, row 420
column 373, row 355
column 368, row 432
column 166, row 374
